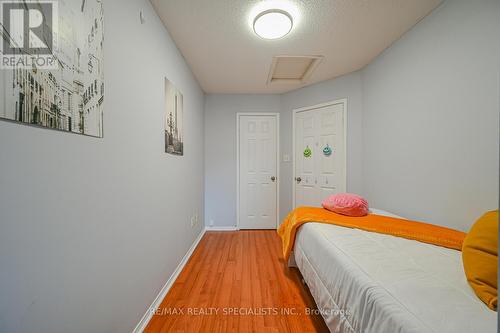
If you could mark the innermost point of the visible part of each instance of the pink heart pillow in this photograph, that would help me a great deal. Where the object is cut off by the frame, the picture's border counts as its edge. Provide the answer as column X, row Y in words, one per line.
column 346, row 204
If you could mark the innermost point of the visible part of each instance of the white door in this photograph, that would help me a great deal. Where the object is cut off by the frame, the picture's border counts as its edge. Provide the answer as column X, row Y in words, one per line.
column 258, row 148
column 320, row 156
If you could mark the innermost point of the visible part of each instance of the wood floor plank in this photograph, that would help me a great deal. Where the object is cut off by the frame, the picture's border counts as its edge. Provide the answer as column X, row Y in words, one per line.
column 237, row 282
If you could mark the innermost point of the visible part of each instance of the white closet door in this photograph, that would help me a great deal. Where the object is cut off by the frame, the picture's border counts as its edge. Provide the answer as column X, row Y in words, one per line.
column 257, row 170
column 321, row 174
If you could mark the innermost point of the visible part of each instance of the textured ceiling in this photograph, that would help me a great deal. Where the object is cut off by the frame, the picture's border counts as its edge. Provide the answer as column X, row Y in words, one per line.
column 217, row 40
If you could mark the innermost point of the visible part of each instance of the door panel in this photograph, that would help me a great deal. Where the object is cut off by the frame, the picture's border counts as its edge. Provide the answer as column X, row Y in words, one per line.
column 305, row 128
column 320, row 174
column 257, row 165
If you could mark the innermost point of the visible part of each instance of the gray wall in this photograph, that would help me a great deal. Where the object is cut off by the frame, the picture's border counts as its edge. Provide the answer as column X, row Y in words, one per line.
column 422, row 123
column 220, row 151
column 430, row 117
column 220, row 141
column 91, row 229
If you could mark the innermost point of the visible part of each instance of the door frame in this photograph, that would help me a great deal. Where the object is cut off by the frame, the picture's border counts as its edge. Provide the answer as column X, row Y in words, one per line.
column 278, row 179
column 309, row 108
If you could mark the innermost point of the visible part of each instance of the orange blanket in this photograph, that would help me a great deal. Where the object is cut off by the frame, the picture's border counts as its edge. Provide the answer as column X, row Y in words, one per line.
column 423, row 232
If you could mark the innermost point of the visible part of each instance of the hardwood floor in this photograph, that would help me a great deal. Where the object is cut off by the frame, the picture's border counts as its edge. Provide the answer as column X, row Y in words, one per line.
column 237, row 282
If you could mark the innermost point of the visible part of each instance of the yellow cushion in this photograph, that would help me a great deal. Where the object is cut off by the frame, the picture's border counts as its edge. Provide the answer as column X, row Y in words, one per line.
column 480, row 257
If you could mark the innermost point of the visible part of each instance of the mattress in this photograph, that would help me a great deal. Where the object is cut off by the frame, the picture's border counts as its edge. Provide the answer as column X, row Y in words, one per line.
column 369, row 282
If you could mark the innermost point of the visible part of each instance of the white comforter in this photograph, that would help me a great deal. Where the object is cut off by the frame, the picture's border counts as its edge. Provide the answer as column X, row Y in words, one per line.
column 368, row 282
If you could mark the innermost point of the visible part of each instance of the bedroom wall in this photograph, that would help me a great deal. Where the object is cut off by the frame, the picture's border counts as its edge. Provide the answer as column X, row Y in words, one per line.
column 220, row 151
column 96, row 226
column 422, row 123
column 431, row 115
column 220, row 141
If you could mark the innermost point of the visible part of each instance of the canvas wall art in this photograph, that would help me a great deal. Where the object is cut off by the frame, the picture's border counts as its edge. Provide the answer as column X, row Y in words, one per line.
column 174, row 113
column 69, row 95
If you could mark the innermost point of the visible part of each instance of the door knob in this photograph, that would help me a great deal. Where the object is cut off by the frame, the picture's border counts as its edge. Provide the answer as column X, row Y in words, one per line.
column 298, row 179
column 273, row 178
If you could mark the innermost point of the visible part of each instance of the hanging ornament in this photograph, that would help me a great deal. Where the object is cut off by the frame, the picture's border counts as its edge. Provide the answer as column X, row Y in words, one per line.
column 307, row 152
column 327, row 150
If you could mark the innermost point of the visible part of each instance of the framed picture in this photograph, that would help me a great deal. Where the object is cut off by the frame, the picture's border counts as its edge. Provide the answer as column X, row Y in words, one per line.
column 60, row 83
column 174, row 113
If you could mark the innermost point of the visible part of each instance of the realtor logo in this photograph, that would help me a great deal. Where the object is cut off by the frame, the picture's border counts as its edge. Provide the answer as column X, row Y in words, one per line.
column 29, row 31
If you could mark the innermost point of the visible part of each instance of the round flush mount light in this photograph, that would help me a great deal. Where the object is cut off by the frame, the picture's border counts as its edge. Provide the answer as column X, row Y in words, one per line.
column 273, row 24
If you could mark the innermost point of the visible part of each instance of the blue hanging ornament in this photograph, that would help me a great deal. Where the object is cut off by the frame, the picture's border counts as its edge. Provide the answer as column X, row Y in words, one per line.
column 327, row 150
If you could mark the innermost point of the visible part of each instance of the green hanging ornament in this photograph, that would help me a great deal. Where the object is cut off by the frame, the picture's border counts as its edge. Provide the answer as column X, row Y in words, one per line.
column 307, row 152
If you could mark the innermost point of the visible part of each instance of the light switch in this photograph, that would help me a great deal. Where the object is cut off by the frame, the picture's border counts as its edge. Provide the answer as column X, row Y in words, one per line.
column 286, row 158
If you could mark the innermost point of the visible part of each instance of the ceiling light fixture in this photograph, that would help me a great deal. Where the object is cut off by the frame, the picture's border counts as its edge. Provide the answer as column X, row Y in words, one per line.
column 273, row 24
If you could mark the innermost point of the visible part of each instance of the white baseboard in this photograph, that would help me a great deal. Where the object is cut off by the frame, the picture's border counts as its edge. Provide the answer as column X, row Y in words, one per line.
column 216, row 228
column 163, row 292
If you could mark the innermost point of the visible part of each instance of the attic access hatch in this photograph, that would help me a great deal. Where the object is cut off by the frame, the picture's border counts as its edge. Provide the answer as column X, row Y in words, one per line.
column 292, row 69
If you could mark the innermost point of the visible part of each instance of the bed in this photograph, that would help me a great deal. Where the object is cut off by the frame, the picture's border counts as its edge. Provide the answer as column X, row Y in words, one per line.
column 369, row 282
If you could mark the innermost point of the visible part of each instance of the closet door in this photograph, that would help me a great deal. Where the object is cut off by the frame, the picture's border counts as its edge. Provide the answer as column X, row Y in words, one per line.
column 258, row 146
column 319, row 154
